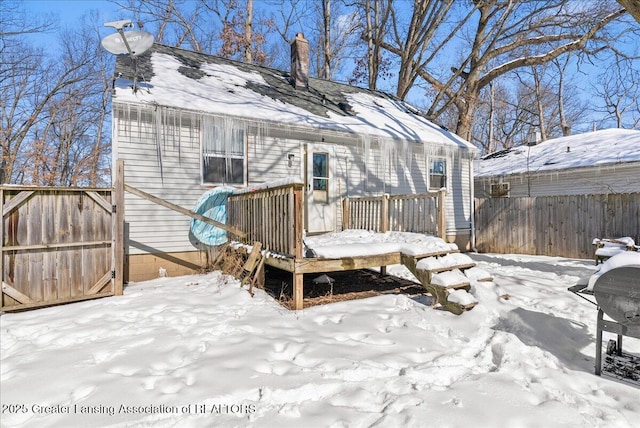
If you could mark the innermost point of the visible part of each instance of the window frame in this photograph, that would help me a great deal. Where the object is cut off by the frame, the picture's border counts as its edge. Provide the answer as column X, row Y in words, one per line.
column 501, row 193
column 322, row 195
column 444, row 176
column 224, row 156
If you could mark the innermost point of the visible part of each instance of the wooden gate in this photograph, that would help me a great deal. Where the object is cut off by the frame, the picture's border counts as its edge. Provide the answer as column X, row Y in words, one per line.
column 57, row 245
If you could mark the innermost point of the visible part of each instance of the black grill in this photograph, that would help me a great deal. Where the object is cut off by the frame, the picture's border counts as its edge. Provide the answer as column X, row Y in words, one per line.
column 617, row 294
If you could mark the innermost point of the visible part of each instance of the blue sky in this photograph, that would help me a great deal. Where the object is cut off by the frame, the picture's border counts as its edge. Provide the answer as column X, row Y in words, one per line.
column 70, row 11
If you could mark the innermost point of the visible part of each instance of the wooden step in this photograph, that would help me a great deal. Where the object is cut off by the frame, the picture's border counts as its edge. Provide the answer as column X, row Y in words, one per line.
column 478, row 274
column 443, row 280
column 434, row 254
column 446, row 262
column 451, row 279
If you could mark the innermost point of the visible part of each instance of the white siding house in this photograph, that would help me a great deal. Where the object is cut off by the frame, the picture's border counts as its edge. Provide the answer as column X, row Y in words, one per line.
column 185, row 122
column 599, row 162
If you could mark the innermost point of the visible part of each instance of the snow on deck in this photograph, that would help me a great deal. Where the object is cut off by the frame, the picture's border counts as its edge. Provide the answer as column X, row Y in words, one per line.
column 360, row 243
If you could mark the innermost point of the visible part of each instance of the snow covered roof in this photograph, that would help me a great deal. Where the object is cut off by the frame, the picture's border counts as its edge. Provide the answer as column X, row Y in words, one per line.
column 605, row 147
column 194, row 81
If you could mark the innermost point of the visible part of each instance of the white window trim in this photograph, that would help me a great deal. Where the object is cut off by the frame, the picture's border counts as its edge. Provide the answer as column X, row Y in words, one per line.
column 447, row 178
column 213, row 155
column 506, row 195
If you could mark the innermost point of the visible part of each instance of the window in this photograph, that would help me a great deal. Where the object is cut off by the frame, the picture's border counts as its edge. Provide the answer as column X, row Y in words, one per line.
column 223, row 156
column 500, row 190
column 437, row 174
column 321, row 177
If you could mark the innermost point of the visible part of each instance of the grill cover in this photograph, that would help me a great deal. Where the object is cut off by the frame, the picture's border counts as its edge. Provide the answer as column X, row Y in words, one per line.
column 617, row 292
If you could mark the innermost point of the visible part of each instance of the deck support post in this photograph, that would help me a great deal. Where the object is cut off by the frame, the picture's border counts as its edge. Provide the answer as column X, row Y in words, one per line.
column 298, row 290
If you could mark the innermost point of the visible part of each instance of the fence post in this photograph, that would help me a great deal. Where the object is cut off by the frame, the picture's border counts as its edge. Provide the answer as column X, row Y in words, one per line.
column 346, row 214
column 442, row 225
column 384, row 213
column 118, row 242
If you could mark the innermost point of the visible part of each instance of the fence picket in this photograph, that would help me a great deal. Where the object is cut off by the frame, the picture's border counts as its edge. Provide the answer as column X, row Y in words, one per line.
column 562, row 226
column 406, row 213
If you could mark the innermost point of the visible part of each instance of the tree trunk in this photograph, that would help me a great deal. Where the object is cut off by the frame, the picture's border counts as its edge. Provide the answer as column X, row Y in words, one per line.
column 566, row 129
column 539, row 105
column 248, row 33
column 492, row 108
column 326, row 23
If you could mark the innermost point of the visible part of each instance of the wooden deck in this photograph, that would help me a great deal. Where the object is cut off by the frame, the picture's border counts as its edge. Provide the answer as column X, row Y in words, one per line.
column 274, row 217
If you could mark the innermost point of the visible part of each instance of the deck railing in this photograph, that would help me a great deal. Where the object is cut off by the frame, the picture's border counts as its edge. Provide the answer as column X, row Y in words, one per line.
column 274, row 216
column 420, row 213
column 271, row 216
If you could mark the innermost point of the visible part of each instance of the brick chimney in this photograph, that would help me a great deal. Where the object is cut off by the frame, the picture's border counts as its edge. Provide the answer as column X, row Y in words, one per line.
column 300, row 62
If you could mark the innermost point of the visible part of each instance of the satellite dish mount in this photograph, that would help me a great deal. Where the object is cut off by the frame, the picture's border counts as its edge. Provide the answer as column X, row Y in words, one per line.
column 119, row 25
column 133, row 43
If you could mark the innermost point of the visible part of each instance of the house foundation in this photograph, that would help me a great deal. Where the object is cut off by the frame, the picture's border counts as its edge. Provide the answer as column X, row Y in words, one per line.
column 143, row 267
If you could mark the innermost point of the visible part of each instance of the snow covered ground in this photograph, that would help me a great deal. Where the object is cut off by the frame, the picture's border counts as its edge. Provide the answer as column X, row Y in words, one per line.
column 198, row 351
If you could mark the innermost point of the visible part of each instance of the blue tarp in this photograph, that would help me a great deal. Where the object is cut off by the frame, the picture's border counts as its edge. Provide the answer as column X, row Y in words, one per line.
column 213, row 204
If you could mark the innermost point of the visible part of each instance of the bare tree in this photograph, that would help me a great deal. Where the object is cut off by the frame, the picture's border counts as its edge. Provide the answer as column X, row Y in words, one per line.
column 20, row 65
column 373, row 65
column 331, row 38
column 78, row 128
column 224, row 27
column 286, row 19
column 504, row 36
column 562, row 65
column 174, row 22
column 415, row 44
column 326, row 39
column 633, row 7
column 14, row 24
column 248, row 33
column 619, row 89
column 52, row 126
column 538, row 99
column 26, row 91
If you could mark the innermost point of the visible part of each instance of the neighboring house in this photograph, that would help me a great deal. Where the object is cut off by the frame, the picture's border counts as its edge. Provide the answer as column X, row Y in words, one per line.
column 185, row 122
column 606, row 161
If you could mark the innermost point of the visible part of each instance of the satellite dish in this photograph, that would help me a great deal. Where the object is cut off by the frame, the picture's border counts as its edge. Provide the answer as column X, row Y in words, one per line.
column 128, row 42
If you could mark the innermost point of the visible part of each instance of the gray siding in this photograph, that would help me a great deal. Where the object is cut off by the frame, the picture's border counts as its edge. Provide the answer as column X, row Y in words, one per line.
column 267, row 159
column 620, row 178
column 165, row 168
column 168, row 166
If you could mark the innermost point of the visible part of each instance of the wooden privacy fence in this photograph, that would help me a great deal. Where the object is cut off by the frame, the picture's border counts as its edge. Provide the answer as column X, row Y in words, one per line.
column 57, row 245
column 270, row 216
column 420, row 213
column 561, row 226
